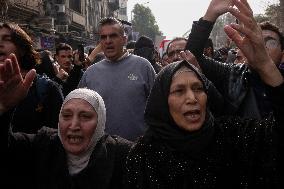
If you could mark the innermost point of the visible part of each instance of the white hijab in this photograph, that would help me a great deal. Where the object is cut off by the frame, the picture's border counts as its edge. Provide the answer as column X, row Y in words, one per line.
column 77, row 163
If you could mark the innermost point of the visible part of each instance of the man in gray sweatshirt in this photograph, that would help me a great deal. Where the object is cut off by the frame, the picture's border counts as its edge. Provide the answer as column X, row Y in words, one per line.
column 122, row 79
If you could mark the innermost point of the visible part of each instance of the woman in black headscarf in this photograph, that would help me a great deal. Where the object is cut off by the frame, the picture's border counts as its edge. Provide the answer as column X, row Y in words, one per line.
column 186, row 147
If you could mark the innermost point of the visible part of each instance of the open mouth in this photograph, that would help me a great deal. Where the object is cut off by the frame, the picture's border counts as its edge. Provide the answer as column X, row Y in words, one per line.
column 192, row 115
column 3, row 56
column 74, row 139
column 109, row 49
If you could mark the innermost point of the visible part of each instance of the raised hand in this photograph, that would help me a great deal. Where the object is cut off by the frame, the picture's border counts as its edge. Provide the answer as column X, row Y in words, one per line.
column 189, row 57
column 98, row 49
column 216, row 8
column 248, row 37
column 59, row 72
column 13, row 88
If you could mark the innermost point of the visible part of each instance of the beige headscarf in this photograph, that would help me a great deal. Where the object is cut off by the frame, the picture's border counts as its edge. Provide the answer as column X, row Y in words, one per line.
column 76, row 163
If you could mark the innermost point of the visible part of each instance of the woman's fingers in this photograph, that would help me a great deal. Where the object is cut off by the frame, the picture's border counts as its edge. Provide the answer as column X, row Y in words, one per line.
column 233, row 34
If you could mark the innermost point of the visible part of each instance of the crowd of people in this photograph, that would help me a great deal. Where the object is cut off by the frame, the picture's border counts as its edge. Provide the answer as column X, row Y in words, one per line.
column 122, row 116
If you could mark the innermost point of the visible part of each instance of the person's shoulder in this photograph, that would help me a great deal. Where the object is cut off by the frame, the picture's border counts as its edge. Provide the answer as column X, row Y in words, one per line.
column 45, row 86
column 232, row 125
column 118, row 144
column 118, row 141
column 46, row 135
column 96, row 66
column 44, row 80
column 146, row 147
column 138, row 58
column 141, row 62
column 52, row 132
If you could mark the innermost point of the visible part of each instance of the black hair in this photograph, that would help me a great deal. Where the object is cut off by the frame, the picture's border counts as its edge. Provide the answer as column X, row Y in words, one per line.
column 28, row 56
column 62, row 46
column 130, row 44
column 111, row 21
column 269, row 26
column 173, row 40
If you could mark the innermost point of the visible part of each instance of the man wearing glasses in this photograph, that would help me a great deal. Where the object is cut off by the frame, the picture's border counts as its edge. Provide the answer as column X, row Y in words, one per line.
column 239, row 84
column 175, row 47
column 122, row 79
column 274, row 41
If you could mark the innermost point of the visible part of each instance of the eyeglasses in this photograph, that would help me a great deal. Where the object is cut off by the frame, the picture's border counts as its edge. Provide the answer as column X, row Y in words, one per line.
column 173, row 53
column 271, row 43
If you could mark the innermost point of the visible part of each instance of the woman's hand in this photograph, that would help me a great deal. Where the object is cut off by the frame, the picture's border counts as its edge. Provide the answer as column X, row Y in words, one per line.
column 248, row 37
column 216, row 8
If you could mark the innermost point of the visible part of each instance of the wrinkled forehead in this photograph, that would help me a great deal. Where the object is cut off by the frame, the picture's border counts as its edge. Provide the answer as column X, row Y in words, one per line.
column 76, row 101
column 193, row 73
column 64, row 52
column 177, row 45
column 181, row 70
column 111, row 28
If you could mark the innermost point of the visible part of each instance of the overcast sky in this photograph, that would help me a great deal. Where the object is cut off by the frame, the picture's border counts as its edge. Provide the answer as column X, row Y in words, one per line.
column 174, row 17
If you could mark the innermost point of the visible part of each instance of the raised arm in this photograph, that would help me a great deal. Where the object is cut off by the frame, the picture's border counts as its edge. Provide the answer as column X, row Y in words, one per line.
column 252, row 44
column 216, row 8
column 201, row 29
column 220, row 74
column 13, row 87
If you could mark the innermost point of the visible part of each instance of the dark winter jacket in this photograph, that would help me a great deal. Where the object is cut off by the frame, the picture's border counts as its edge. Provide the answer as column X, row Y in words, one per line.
column 39, row 161
column 148, row 53
column 227, row 152
column 40, row 107
column 242, row 88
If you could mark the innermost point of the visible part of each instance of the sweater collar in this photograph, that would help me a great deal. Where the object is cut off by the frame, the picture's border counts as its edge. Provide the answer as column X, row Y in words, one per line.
column 125, row 54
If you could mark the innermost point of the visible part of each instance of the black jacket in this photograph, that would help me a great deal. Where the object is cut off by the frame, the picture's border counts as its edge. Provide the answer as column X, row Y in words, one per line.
column 242, row 88
column 39, row 161
column 39, row 108
column 226, row 152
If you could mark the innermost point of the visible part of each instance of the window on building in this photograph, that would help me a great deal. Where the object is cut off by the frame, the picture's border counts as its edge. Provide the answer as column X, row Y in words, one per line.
column 123, row 11
column 75, row 5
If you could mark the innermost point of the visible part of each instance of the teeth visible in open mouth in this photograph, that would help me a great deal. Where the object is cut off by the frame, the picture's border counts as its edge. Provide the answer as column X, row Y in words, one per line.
column 74, row 140
column 193, row 115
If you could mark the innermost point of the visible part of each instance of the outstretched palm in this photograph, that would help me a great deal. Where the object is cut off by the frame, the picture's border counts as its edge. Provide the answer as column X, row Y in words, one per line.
column 13, row 88
column 248, row 35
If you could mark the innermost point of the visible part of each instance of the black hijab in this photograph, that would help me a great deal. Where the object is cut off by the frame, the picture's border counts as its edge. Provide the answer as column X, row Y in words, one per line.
column 160, row 123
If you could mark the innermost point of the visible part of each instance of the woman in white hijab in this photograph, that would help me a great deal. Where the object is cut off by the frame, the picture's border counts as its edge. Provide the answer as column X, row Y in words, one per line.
column 78, row 155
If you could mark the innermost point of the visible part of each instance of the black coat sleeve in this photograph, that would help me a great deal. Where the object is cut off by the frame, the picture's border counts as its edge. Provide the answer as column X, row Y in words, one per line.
column 215, row 71
column 53, row 104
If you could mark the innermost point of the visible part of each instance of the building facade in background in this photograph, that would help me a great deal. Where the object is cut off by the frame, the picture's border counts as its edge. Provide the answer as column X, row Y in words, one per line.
column 52, row 21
